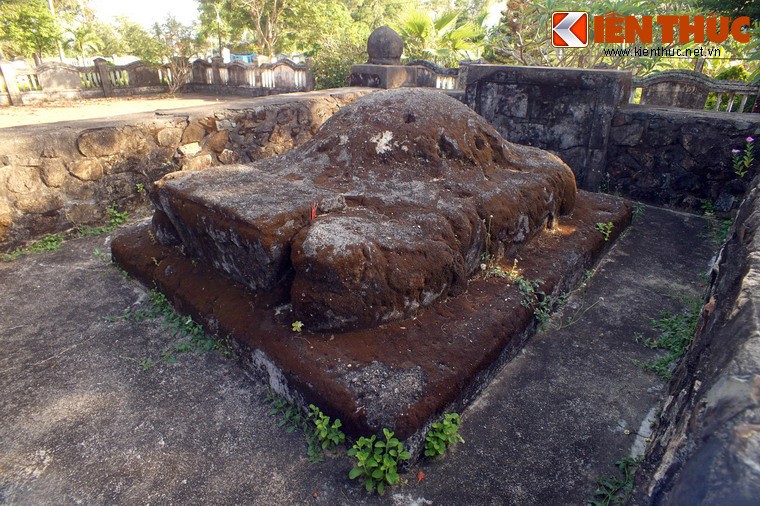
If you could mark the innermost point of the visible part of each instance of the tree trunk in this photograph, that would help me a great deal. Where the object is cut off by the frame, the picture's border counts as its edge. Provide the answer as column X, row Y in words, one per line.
column 57, row 41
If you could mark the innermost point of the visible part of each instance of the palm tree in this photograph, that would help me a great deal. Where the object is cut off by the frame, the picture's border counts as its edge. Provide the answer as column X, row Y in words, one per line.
column 83, row 40
column 445, row 39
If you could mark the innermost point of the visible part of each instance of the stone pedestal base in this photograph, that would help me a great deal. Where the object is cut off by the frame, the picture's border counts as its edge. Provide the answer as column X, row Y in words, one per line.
column 400, row 375
column 383, row 76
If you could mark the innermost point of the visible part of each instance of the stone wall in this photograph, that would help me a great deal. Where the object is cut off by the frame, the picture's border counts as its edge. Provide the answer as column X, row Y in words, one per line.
column 678, row 157
column 565, row 111
column 660, row 155
column 706, row 448
column 56, row 178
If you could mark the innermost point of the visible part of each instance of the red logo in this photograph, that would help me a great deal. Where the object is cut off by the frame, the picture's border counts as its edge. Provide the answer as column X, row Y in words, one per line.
column 569, row 29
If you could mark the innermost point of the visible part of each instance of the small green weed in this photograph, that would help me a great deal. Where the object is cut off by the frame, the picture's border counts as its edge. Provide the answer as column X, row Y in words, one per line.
column 604, row 185
column 742, row 159
column 101, row 255
column 145, row 364
column 616, row 490
column 442, row 435
column 377, row 461
column 50, row 242
column 638, row 212
column 291, row 417
column 542, row 304
column 676, row 333
column 140, row 188
column 327, row 432
column 297, row 326
column 115, row 219
column 488, row 260
column 718, row 228
column 321, row 435
column 605, row 229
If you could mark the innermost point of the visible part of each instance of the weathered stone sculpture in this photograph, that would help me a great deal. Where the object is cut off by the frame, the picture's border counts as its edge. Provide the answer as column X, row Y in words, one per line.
column 384, row 69
column 374, row 232
column 388, row 208
column 384, row 47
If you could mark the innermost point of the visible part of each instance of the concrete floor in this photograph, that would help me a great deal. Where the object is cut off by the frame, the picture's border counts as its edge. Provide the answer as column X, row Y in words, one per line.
column 82, row 422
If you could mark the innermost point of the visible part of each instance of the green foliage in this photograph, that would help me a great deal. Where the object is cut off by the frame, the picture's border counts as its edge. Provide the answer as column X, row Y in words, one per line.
column 735, row 73
column 742, row 159
column 732, row 8
column 638, row 212
column 445, row 39
column 718, row 228
column 541, row 303
column 190, row 336
column 115, row 219
column 139, row 42
column 50, row 242
column 220, row 21
column 327, row 433
column 111, row 41
column 333, row 58
column 291, row 417
column 523, row 37
column 83, row 40
column 605, row 229
column 616, row 490
column 176, row 45
column 676, row 333
column 297, row 326
column 442, row 435
column 377, row 461
column 321, row 434
column 29, row 28
column 374, row 13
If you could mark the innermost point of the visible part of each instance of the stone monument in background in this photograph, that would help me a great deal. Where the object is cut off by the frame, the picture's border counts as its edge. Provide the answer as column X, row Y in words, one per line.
column 384, row 69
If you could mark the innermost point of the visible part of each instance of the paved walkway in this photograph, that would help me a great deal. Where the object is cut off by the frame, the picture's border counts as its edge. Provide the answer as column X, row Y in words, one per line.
column 101, row 108
column 83, row 422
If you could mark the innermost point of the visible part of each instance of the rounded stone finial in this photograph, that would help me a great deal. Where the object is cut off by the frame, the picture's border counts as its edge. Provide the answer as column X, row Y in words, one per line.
column 384, row 47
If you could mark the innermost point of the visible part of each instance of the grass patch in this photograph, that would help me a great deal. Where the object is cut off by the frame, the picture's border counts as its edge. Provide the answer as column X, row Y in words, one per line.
column 51, row 242
column 190, row 336
column 115, row 219
column 676, row 334
column 616, row 490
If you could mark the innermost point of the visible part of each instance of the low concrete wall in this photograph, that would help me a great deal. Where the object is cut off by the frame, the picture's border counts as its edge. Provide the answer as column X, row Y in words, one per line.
column 678, row 157
column 53, row 178
column 706, row 449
